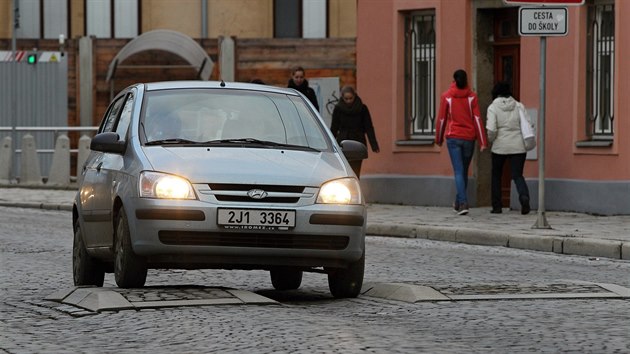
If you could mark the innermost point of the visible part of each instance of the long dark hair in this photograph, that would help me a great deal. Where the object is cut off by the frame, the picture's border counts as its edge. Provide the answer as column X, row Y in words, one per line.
column 461, row 78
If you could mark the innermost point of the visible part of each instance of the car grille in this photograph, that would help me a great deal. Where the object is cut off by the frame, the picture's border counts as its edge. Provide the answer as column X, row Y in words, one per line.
column 228, row 192
column 230, row 239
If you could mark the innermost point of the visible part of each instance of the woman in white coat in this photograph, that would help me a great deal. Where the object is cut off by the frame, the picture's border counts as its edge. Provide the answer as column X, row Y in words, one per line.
column 504, row 132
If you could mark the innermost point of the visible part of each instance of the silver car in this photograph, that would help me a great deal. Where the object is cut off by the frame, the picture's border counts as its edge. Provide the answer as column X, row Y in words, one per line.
column 219, row 175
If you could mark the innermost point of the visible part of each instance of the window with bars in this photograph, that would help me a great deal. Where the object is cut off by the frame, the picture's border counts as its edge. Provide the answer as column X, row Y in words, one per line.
column 420, row 96
column 600, row 71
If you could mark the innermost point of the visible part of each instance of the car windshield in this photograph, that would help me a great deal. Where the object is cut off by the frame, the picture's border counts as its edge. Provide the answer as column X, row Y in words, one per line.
column 230, row 118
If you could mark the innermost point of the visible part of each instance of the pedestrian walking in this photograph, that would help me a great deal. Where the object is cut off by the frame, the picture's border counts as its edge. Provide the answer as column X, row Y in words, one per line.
column 299, row 82
column 459, row 122
column 504, row 132
column 351, row 120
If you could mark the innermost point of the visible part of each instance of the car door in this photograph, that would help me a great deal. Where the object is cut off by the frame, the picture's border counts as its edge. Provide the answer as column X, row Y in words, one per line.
column 96, row 205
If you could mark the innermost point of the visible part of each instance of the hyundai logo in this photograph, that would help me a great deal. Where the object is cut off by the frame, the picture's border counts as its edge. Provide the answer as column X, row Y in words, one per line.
column 256, row 194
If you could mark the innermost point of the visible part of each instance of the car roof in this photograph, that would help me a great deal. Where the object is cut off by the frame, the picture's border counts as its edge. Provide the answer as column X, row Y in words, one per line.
column 168, row 85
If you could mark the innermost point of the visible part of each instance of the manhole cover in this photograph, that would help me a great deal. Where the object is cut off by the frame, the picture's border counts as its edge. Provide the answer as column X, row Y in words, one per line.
column 523, row 289
column 173, row 294
column 506, row 291
column 98, row 299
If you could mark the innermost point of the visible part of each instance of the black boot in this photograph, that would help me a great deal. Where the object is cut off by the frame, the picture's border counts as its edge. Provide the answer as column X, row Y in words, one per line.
column 525, row 209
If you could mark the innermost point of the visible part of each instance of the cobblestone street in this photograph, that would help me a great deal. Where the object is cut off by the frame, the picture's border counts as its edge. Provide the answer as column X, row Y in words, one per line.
column 36, row 262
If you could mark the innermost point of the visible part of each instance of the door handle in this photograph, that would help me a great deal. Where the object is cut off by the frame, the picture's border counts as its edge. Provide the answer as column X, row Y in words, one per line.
column 98, row 167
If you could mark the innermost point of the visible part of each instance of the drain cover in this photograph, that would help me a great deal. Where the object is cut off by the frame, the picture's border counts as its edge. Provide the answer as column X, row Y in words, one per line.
column 107, row 299
column 498, row 289
column 557, row 290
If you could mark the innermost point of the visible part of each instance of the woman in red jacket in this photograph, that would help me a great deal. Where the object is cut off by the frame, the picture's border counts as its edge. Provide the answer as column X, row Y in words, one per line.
column 459, row 120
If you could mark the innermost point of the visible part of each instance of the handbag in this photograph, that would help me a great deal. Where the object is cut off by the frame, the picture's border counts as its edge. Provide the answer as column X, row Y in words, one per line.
column 527, row 130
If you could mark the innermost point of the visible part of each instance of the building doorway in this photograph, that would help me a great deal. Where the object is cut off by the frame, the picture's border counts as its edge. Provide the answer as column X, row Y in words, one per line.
column 506, row 49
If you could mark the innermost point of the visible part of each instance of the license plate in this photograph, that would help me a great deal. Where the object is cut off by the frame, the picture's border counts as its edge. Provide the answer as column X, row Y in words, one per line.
column 256, row 217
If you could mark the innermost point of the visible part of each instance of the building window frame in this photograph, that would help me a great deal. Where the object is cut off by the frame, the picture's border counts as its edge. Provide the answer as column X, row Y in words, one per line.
column 43, row 20
column 300, row 19
column 600, row 71
column 420, row 76
column 107, row 18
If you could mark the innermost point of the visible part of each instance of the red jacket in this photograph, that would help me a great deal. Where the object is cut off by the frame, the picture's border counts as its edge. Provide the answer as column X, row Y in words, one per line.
column 459, row 117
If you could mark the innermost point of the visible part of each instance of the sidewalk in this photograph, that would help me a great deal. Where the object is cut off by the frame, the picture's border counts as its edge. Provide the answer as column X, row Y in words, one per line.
column 570, row 233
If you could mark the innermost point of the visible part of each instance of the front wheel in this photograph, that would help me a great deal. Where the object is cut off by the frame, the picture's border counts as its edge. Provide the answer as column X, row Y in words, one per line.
column 286, row 278
column 347, row 282
column 86, row 270
column 130, row 270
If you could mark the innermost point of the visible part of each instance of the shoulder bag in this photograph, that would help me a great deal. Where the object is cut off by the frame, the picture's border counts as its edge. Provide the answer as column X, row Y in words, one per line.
column 529, row 137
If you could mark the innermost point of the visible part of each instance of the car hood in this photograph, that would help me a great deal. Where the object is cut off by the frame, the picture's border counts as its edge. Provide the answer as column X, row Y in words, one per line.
column 247, row 165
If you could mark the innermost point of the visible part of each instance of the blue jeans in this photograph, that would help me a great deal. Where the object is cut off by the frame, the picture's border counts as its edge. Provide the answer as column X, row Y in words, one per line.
column 461, row 153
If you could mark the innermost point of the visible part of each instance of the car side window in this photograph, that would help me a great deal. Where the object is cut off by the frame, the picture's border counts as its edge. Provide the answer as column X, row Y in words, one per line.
column 110, row 120
column 125, row 117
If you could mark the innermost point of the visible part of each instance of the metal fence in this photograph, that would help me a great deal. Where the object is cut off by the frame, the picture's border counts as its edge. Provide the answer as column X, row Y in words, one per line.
column 34, row 100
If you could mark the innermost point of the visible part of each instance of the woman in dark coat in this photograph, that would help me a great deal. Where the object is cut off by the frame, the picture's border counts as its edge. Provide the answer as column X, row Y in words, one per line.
column 351, row 120
column 298, row 81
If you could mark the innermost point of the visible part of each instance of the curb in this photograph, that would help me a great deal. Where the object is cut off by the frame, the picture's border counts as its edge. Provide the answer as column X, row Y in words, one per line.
column 580, row 246
column 45, row 206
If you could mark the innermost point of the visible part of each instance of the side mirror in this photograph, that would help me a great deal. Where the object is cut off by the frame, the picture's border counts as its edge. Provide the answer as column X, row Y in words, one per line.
column 108, row 142
column 353, row 150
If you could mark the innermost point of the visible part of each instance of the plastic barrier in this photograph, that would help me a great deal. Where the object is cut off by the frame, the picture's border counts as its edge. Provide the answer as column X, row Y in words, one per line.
column 29, row 168
column 6, row 161
column 59, row 174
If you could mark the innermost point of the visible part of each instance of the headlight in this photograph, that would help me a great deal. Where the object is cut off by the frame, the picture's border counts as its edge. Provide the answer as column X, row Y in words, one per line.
column 162, row 185
column 340, row 191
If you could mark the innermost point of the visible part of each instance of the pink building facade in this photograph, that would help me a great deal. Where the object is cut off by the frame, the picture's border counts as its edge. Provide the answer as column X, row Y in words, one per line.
column 407, row 51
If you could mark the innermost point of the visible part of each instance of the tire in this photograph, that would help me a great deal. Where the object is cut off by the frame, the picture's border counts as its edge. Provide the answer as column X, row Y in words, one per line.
column 347, row 282
column 130, row 270
column 286, row 278
column 86, row 270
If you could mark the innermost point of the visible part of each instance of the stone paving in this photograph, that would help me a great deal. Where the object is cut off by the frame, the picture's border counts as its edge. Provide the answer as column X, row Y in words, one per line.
column 35, row 259
column 569, row 233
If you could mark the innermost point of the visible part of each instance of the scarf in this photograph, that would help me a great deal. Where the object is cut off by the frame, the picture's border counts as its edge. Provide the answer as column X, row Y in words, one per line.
column 350, row 109
column 302, row 88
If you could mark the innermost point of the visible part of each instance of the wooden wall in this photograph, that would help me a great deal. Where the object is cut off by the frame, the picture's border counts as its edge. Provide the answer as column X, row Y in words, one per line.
column 267, row 59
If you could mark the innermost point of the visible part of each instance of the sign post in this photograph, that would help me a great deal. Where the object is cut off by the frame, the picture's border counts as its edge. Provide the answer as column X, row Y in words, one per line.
column 541, row 220
column 543, row 20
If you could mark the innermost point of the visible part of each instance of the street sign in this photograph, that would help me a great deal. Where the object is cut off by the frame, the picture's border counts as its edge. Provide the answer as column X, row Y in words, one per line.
column 26, row 56
column 545, row 2
column 543, row 21
column 50, row 57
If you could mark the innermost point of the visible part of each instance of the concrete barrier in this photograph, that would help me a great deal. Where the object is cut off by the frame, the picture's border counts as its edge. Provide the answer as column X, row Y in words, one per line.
column 59, row 174
column 29, row 172
column 6, row 160
column 29, row 168
column 82, row 155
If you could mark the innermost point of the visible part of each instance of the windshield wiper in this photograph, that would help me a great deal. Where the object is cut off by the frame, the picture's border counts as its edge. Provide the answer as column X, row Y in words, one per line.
column 259, row 142
column 171, row 141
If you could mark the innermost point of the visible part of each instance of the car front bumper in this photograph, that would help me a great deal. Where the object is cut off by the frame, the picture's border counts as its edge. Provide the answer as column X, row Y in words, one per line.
column 185, row 234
